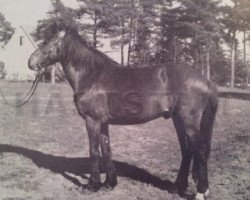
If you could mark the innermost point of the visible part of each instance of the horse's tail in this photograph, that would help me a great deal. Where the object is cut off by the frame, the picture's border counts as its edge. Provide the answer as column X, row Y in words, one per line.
column 207, row 123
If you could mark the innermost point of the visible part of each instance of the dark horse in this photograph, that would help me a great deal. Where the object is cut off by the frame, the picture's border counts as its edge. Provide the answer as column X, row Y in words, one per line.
column 108, row 93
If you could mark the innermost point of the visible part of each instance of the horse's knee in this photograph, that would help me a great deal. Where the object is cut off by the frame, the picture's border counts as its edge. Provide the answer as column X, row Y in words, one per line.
column 105, row 144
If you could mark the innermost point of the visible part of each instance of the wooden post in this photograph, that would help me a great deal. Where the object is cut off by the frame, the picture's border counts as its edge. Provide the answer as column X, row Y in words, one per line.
column 53, row 74
column 43, row 78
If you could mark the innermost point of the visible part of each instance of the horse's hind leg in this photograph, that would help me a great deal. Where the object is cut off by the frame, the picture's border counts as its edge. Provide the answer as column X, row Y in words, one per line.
column 204, row 145
column 198, row 135
column 111, row 177
column 182, row 178
column 93, row 129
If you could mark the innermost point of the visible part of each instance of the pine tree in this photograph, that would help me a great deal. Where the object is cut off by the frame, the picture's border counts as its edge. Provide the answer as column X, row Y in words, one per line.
column 244, row 7
column 236, row 19
column 6, row 30
column 121, row 29
column 59, row 18
column 187, row 31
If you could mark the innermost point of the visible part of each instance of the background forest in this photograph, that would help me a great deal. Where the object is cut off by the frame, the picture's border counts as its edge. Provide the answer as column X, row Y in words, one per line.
column 204, row 33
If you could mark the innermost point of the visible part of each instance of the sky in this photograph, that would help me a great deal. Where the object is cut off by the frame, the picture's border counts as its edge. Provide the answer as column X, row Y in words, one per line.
column 28, row 12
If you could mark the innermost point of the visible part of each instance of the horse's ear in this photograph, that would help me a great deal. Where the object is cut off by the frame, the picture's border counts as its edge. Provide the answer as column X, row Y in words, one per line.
column 61, row 34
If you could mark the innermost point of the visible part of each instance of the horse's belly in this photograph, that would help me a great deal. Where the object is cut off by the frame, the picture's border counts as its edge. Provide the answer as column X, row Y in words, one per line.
column 129, row 120
column 132, row 108
column 138, row 113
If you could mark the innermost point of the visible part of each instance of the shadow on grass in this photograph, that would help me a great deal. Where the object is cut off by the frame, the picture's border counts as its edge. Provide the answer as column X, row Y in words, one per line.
column 81, row 166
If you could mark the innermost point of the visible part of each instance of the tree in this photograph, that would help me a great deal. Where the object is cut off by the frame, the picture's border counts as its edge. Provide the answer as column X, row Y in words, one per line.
column 96, row 19
column 160, row 31
column 144, row 23
column 236, row 19
column 109, row 19
column 123, row 21
column 188, row 31
column 3, row 72
column 58, row 18
column 121, row 28
column 6, row 30
column 244, row 7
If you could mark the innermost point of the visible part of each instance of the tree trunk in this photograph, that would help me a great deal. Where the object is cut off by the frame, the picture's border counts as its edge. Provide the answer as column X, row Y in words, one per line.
column 203, row 65
column 122, row 45
column 95, row 31
column 130, row 33
column 245, row 56
column 43, row 77
column 136, row 30
column 172, row 46
column 129, row 53
column 195, row 58
column 208, row 64
column 175, row 50
column 122, row 55
column 232, row 81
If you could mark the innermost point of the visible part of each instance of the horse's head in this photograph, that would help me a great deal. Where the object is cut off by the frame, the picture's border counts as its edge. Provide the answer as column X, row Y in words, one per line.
column 47, row 54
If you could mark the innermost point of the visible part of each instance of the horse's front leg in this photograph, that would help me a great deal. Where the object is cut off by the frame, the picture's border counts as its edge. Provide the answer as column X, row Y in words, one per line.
column 111, row 177
column 93, row 129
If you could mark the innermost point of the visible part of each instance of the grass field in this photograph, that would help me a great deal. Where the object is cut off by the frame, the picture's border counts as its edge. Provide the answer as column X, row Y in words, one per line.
column 45, row 152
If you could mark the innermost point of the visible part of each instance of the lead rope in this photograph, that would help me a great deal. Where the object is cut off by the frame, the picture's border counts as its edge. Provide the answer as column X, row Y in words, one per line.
column 25, row 99
column 27, row 96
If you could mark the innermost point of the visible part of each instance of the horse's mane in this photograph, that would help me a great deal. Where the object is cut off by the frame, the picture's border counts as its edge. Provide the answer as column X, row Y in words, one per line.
column 81, row 53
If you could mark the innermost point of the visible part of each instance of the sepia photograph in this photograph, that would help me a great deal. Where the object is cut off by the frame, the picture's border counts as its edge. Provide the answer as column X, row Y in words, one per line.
column 124, row 99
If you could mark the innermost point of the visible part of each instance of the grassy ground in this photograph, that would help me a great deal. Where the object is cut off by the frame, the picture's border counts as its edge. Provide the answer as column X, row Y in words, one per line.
column 45, row 152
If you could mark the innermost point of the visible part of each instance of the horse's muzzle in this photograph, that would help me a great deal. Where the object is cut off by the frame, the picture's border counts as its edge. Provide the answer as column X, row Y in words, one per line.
column 33, row 64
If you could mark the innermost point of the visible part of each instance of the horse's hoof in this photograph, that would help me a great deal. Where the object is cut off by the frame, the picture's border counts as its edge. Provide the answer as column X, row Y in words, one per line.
column 180, row 188
column 110, row 184
column 202, row 196
column 199, row 196
column 93, row 187
column 206, row 194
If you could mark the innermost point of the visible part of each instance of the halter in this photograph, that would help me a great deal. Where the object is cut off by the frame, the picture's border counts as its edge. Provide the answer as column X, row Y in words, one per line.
column 54, row 46
column 57, row 40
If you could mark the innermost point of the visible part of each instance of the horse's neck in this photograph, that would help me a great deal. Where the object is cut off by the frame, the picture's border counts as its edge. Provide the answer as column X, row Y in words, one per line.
column 80, row 75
